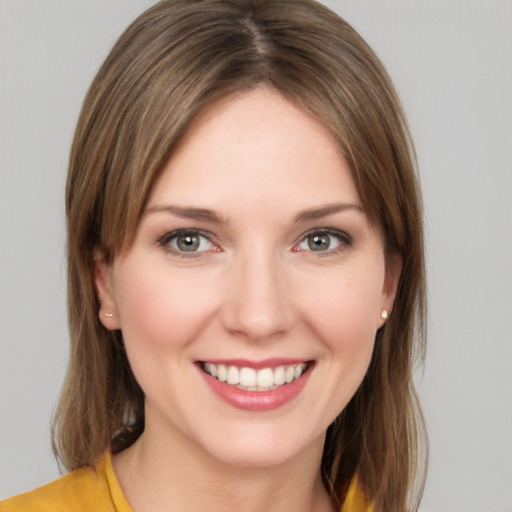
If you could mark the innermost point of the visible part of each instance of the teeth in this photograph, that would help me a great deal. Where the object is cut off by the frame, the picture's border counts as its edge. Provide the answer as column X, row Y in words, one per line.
column 279, row 376
column 247, row 377
column 211, row 369
column 255, row 380
column 233, row 375
column 222, row 373
column 265, row 378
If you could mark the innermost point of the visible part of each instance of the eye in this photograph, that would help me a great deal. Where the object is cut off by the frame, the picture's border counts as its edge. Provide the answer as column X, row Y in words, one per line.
column 324, row 241
column 187, row 241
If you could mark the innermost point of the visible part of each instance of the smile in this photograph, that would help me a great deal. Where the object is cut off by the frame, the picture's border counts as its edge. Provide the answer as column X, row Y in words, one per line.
column 256, row 387
column 251, row 379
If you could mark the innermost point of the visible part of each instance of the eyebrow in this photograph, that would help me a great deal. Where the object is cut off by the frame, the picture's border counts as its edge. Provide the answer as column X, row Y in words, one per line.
column 204, row 214
column 325, row 210
column 188, row 212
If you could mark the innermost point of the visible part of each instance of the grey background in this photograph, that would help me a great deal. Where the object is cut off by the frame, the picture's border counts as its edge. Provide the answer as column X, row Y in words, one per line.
column 451, row 61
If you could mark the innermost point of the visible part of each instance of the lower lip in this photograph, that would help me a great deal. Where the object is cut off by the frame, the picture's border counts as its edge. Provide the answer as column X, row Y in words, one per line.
column 258, row 400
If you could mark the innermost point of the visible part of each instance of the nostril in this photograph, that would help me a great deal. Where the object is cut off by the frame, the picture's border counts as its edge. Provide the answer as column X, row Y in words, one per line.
column 257, row 299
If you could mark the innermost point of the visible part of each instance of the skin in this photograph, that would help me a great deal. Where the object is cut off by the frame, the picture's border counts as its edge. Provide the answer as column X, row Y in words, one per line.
column 254, row 289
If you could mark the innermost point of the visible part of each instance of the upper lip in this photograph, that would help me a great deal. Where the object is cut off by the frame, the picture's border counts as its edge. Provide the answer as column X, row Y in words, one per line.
column 264, row 363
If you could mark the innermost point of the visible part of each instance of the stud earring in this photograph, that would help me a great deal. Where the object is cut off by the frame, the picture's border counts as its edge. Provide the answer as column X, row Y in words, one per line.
column 109, row 315
column 384, row 314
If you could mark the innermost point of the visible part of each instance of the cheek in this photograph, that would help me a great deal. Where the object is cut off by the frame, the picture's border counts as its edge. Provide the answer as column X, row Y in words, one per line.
column 159, row 311
column 345, row 319
column 345, row 306
column 160, row 317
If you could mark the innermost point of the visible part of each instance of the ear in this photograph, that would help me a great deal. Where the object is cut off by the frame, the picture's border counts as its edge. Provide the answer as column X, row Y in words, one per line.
column 393, row 271
column 103, row 279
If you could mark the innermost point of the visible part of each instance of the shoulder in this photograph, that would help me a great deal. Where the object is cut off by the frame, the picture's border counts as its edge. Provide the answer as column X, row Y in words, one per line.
column 82, row 490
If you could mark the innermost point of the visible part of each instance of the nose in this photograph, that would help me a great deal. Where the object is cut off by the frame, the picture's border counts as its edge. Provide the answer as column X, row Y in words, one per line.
column 258, row 301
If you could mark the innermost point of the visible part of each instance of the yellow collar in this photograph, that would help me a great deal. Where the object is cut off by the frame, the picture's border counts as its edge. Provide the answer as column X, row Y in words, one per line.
column 356, row 499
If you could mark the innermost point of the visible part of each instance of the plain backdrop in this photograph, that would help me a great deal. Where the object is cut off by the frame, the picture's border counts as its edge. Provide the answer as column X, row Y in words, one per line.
column 451, row 61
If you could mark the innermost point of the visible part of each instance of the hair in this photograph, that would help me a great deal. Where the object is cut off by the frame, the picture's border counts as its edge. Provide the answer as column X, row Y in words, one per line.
column 174, row 60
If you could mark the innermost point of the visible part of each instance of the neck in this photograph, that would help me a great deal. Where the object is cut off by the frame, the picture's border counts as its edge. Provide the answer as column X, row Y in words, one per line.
column 162, row 469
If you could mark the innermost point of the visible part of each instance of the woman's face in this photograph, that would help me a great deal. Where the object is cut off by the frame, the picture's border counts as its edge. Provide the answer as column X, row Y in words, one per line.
column 250, row 299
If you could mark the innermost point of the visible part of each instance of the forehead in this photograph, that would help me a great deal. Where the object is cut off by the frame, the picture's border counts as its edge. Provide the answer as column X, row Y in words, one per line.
column 255, row 148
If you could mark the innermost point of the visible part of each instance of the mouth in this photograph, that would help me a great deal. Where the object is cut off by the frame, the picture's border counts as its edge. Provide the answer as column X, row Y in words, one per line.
column 263, row 379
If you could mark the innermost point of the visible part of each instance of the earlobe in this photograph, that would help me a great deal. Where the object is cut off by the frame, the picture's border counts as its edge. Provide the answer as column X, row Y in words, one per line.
column 103, row 280
column 393, row 272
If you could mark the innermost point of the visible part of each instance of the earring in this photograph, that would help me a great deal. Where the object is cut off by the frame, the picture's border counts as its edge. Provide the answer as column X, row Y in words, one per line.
column 109, row 315
column 384, row 314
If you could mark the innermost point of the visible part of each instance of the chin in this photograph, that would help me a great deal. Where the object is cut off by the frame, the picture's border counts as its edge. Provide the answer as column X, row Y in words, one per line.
column 260, row 447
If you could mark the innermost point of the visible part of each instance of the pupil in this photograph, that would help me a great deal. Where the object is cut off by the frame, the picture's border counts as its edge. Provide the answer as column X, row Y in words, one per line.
column 188, row 242
column 318, row 242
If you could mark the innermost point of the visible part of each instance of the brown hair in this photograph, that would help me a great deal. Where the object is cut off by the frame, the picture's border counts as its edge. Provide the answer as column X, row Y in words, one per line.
column 175, row 59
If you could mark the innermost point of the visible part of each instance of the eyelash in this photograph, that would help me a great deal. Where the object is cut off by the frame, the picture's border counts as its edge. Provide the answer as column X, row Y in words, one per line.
column 165, row 241
column 344, row 239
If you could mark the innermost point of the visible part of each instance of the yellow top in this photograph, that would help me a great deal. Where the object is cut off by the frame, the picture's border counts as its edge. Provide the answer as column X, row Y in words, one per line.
column 97, row 490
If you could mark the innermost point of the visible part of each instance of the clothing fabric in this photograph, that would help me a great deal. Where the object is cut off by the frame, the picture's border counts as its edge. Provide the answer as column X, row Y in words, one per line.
column 97, row 489
column 83, row 490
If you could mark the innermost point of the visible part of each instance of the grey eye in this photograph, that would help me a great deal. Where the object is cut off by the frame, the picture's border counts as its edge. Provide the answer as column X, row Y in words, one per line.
column 188, row 242
column 328, row 241
column 319, row 242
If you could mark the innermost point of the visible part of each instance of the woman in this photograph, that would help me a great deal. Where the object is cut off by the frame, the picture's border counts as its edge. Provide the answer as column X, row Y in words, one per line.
column 245, row 271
